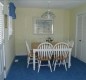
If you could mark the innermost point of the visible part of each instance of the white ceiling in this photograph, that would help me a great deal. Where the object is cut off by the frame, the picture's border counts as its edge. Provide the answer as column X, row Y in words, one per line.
column 2, row 1
column 49, row 3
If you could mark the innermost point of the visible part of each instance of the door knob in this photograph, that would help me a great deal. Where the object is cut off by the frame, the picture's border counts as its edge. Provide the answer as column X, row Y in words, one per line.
column 79, row 40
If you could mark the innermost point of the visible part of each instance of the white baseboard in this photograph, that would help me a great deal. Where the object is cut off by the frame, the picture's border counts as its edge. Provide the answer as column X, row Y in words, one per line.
column 21, row 54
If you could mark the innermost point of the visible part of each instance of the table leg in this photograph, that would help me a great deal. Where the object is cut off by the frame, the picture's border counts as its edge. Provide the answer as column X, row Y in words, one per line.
column 33, row 60
column 69, row 60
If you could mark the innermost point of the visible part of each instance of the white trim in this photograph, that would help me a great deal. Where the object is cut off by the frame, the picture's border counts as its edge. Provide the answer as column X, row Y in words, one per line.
column 82, row 34
column 3, row 53
column 1, row 4
column 81, row 13
column 21, row 54
column 76, row 35
column 77, row 32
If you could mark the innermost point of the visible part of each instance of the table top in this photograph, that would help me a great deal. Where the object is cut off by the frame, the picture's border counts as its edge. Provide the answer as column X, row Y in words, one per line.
column 34, row 45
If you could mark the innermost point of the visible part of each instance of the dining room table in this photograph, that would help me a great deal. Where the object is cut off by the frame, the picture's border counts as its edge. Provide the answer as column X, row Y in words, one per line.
column 35, row 50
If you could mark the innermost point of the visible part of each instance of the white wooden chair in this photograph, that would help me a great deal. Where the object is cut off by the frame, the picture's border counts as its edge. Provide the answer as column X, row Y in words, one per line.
column 45, row 54
column 71, row 44
column 29, row 55
column 60, row 54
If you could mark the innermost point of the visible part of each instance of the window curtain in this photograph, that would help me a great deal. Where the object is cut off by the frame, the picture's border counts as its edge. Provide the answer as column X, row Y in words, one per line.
column 12, row 9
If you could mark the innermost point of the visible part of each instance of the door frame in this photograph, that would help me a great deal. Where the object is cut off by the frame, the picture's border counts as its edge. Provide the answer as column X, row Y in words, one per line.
column 76, row 31
column 76, row 36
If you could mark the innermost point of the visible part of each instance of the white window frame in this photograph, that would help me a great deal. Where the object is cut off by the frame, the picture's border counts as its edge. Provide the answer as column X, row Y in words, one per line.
column 10, row 25
column 2, row 54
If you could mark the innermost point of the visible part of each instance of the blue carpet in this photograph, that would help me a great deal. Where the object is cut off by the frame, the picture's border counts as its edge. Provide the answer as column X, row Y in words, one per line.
column 19, row 71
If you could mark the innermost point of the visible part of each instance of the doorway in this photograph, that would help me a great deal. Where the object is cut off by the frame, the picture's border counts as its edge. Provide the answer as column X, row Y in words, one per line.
column 81, row 37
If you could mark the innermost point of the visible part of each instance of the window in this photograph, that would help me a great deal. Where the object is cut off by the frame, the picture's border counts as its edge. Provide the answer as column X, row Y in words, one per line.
column 1, row 40
column 1, row 23
column 9, row 26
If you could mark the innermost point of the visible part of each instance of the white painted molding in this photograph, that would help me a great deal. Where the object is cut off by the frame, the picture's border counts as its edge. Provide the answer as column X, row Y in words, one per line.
column 76, row 36
column 21, row 54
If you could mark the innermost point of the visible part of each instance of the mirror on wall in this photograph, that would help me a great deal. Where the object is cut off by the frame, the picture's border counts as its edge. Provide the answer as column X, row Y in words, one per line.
column 43, row 26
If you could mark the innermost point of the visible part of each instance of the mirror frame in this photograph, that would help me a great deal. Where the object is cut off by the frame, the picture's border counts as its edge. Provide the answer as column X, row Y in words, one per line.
column 43, row 26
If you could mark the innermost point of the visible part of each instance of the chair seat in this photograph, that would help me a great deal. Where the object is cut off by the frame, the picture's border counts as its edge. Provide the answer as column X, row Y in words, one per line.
column 44, row 59
column 31, row 54
column 61, row 57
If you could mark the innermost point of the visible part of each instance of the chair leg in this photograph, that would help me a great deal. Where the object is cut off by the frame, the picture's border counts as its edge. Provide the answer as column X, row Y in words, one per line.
column 50, row 65
column 28, row 61
column 65, row 65
column 60, row 63
column 55, row 65
column 53, row 62
column 39, row 64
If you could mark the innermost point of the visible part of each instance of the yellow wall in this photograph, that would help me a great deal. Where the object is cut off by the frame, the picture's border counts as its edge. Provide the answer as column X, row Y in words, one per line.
column 9, row 44
column 79, row 10
column 24, row 27
column 9, row 50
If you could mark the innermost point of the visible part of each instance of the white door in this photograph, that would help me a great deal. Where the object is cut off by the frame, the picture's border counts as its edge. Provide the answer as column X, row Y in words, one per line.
column 1, row 43
column 79, row 37
column 83, row 55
